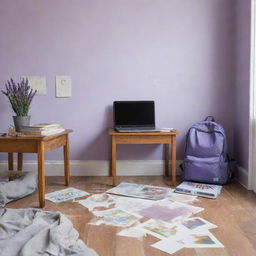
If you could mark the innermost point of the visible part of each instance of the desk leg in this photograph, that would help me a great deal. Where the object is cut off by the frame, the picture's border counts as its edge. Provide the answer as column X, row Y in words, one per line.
column 66, row 162
column 10, row 161
column 113, row 160
column 166, row 159
column 41, row 174
column 173, row 178
column 20, row 161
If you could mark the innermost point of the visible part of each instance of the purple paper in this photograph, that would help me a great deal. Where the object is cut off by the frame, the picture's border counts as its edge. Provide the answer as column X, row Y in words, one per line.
column 164, row 213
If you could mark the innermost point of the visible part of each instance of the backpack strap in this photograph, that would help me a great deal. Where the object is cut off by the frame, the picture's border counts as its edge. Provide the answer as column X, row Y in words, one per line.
column 210, row 117
column 231, row 166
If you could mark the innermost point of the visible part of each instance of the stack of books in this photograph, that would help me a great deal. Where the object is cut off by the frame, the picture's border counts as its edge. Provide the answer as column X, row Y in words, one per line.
column 42, row 129
column 199, row 189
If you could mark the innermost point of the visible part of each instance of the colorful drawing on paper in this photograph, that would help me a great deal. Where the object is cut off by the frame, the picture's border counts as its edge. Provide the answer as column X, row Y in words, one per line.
column 165, row 213
column 152, row 192
column 159, row 229
column 197, row 223
column 65, row 195
column 116, row 217
column 202, row 239
column 193, row 224
column 170, row 212
column 97, row 200
column 182, row 198
column 166, row 232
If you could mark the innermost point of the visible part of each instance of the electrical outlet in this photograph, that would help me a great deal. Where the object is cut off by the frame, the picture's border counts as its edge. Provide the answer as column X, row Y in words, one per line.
column 63, row 86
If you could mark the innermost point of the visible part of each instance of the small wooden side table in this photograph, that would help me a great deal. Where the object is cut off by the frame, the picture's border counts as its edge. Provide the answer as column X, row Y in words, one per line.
column 165, row 138
column 38, row 145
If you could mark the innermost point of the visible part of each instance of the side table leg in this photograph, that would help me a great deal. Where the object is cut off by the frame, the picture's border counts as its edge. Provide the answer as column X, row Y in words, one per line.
column 10, row 161
column 166, row 159
column 66, row 162
column 113, row 160
column 173, row 178
column 20, row 161
column 41, row 174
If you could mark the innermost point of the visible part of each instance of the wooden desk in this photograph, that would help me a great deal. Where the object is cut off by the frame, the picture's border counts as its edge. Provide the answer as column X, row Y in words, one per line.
column 165, row 138
column 38, row 145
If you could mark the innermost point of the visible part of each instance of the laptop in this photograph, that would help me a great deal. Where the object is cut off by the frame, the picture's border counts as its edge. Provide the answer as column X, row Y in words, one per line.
column 134, row 116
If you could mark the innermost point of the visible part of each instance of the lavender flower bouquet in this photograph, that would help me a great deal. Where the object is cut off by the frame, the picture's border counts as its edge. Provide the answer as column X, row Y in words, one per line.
column 20, row 96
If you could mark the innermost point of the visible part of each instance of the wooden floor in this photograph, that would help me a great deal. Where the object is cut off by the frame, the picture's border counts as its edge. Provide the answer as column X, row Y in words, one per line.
column 234, row 212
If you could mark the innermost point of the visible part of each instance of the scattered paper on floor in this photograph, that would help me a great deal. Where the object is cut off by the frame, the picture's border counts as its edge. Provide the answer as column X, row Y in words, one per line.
column 65, row 195
column 131, row 204
column 116, row 217
column 161, row 229
column 182, row 198
column 140, row 191
column 170, row 212
column 134, row 232
column 97, row 200
column 168, row 246
column 202, row 239
column 197, row 223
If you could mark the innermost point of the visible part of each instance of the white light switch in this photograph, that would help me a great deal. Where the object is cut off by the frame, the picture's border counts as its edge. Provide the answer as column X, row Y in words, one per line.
column 37, row 83
column 63, row 86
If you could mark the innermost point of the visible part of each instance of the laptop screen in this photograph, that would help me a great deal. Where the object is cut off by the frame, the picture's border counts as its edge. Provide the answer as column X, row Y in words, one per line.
column 134, row 113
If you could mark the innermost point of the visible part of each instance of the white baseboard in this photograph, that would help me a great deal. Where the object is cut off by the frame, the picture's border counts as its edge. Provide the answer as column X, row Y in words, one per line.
column 242, row 176
column 124, row 168
column 98, row 168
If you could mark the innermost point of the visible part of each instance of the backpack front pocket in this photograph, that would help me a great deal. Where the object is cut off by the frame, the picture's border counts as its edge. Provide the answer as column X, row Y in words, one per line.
column 208, row 170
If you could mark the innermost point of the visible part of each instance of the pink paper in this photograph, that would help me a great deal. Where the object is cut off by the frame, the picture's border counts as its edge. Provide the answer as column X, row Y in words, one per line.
column 165, row 213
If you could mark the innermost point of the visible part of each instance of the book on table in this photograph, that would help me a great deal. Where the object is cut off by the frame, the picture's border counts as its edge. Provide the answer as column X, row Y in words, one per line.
column 44, row 129
column 42, row 126
column 199, row 189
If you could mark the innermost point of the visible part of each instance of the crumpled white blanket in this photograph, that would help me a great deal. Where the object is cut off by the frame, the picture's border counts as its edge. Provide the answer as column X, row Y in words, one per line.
column 34, row 232
column 20, row 184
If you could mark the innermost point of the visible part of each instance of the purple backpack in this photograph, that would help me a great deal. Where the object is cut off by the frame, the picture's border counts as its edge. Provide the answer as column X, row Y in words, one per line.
column 206, row 158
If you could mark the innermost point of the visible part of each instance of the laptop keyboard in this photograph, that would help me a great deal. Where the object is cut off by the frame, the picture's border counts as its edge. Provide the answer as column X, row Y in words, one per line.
column 137, row 130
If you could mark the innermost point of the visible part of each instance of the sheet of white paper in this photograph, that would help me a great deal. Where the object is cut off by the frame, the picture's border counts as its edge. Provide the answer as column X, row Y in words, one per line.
column 65, row 195
column 37, row 83
column 131, row 204
column 97, row 200
column 134, row 232
column 63, row 86
column 201, row 239
column 168, row 246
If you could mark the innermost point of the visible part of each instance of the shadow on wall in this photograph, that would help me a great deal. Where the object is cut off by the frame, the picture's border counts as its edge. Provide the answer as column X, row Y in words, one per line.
column 100, row 145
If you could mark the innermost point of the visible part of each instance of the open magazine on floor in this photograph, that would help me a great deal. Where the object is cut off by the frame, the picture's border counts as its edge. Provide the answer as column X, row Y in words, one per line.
column 140, row 191
column 199, row 189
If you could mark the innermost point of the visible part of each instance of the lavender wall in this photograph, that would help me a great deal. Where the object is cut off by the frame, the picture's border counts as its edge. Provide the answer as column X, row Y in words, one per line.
column 242, row 83
column 178, row 53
